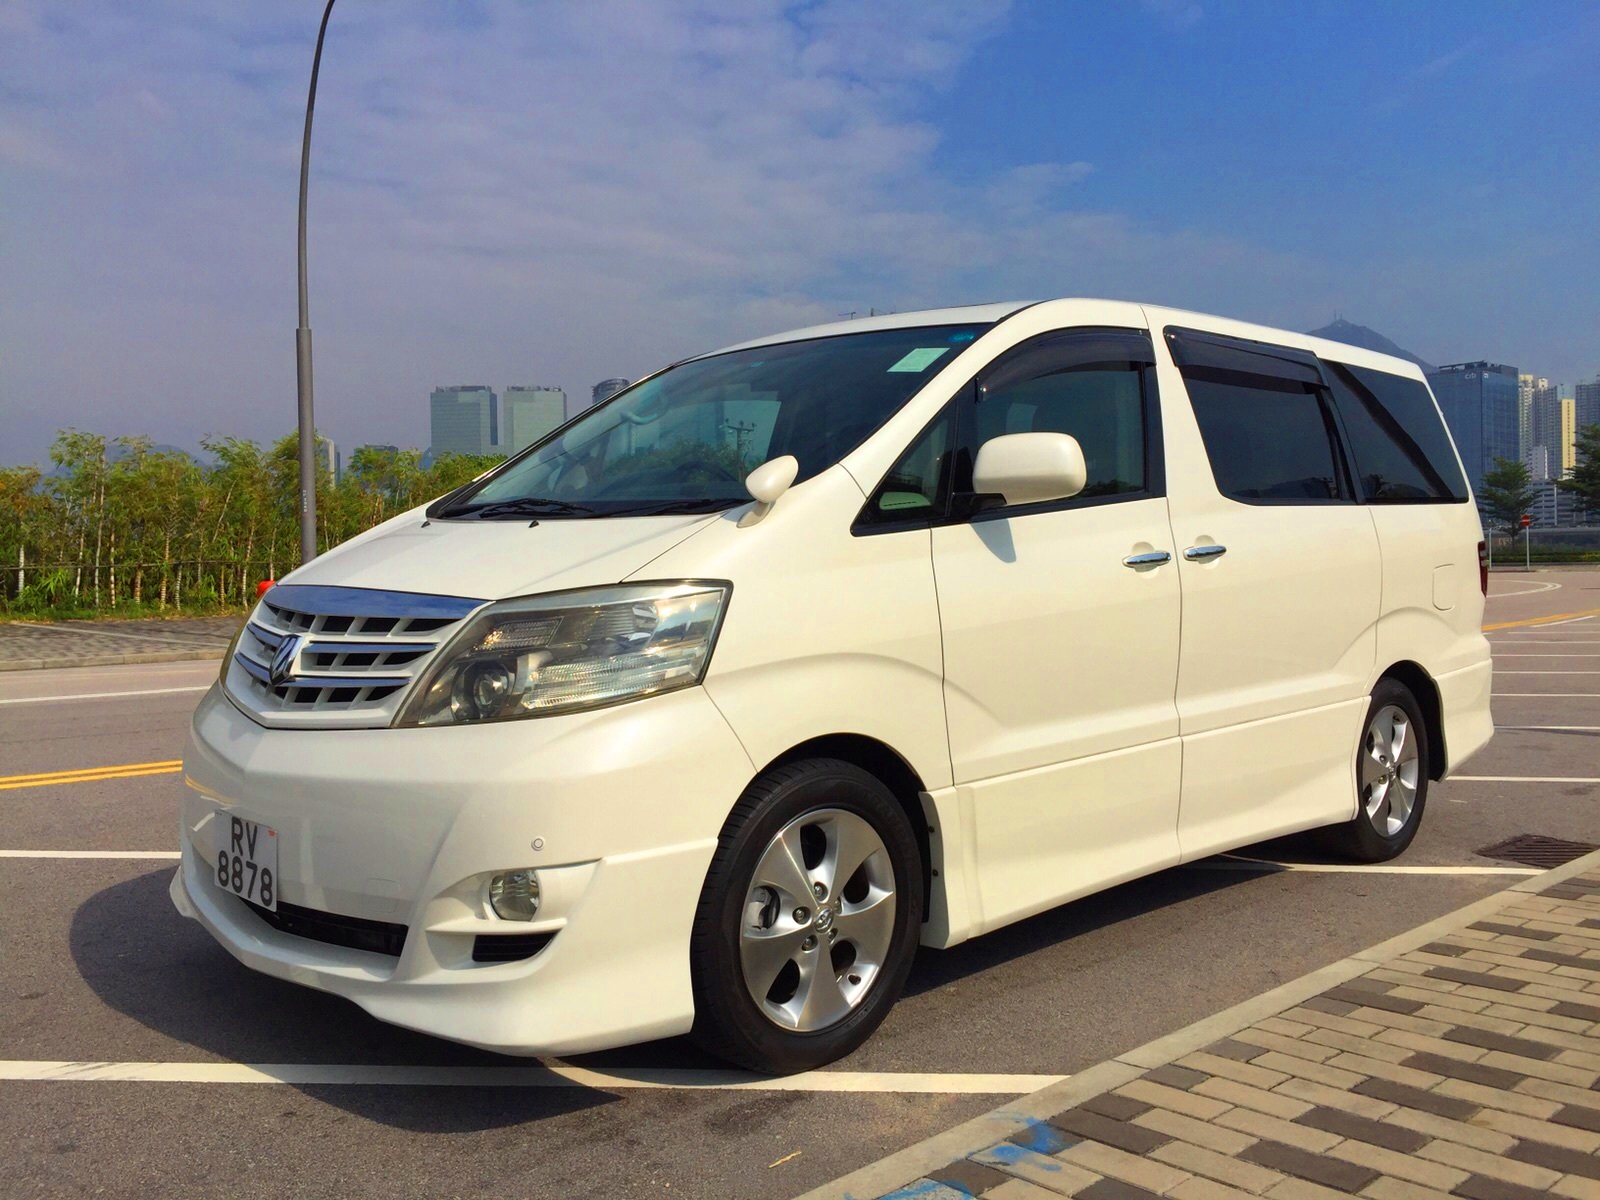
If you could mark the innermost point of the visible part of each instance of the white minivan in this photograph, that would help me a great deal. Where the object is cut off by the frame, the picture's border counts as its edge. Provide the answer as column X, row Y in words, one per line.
column 703, row 713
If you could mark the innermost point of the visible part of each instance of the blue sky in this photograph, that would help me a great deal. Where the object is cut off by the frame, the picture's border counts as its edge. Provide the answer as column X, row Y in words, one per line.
column 560, row 192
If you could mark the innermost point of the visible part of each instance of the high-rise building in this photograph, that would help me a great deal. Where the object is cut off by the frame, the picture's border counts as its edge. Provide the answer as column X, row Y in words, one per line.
column 1479, row 402
column 1537, row 460
column 1544, row 417
column 606, row 389
column 464, row 419
column 1567, row 438
column 1586, row 397
column 1539, row 425
column 328, row 458
column 1528, row 389
column 531, row 413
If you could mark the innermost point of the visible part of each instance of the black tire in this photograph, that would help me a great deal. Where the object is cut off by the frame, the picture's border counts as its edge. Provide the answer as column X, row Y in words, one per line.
column 729, row 1023
column 1360, row 839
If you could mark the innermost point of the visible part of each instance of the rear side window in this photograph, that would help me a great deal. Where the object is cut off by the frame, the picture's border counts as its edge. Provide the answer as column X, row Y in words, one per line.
column 1401, row 450
column 1267, row 429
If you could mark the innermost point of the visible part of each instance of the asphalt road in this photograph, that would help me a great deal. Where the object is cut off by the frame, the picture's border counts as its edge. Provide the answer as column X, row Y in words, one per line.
column 96, row 966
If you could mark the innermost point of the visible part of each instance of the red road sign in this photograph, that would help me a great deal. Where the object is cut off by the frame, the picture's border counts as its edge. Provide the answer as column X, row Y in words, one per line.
column 1526, row 520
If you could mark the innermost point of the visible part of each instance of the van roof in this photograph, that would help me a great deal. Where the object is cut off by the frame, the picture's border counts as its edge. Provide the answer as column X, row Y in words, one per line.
column 1158, row 316
column 967, row 314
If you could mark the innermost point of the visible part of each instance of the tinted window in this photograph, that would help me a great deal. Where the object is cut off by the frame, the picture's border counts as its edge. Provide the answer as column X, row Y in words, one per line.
column 914, row 486
column 1269, row 440
column 1087, row 384
column 1402, row 453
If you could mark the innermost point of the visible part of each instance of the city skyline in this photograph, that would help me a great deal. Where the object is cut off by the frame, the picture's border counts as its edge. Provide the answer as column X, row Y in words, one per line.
column 474, row 419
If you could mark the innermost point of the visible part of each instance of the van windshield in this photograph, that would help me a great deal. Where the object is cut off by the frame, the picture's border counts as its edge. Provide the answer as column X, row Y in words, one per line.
column 684, row 440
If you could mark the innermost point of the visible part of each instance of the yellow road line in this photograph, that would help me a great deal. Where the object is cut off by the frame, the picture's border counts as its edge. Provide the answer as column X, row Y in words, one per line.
column 1542, row 620
column 90, row 774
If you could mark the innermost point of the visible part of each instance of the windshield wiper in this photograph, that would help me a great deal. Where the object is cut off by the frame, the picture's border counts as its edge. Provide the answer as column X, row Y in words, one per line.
column 522, row 506
column 665, row 507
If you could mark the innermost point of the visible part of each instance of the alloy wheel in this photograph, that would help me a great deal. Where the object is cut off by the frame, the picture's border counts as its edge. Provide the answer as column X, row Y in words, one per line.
column 1389, row 769
column 818, row 920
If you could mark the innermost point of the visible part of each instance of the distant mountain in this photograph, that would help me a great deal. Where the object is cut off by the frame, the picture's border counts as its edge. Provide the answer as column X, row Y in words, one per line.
column 1368, row 339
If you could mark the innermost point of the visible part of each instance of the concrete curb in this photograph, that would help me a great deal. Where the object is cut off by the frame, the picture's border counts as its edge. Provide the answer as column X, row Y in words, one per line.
column 111, row 660
column 983, row 1131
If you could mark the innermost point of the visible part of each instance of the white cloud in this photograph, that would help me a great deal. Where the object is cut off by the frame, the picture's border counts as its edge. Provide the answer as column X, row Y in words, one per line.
column 500, row 194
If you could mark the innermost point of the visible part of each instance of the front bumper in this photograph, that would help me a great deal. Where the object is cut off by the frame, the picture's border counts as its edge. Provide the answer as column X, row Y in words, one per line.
column 405, row 825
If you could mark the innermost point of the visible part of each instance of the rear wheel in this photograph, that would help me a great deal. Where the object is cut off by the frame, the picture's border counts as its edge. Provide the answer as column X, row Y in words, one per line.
column 1392, row 765
column 809, row 919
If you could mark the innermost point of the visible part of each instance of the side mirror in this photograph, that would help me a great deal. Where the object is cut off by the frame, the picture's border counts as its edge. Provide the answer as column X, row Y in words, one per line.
column 768, row 482
column 1029, row 468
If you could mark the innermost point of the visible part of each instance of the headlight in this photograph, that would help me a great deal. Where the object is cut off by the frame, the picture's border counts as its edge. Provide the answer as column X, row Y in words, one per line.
column 542, row 655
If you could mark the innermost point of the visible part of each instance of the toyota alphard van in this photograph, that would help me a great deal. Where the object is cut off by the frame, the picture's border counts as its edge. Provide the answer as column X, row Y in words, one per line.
column 705, row 712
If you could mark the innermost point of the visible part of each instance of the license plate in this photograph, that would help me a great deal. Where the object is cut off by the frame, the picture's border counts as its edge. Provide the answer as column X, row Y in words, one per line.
column 247, row 860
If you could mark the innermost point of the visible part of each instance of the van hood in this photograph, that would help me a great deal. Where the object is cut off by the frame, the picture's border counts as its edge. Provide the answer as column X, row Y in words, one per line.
column 493, row 560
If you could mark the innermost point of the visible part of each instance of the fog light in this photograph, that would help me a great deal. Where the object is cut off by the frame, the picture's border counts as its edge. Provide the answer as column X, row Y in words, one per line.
column 515, row 895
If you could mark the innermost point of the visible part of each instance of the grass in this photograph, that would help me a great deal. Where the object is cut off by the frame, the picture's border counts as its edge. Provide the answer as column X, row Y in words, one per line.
column 14, row 615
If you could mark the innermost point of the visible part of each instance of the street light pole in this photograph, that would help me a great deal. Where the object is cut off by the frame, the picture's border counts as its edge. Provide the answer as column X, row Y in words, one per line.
column 302, row 335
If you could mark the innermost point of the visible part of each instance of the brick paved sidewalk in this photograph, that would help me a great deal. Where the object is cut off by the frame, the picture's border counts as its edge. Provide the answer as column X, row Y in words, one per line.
column 30, row 645
column 1460, row 1060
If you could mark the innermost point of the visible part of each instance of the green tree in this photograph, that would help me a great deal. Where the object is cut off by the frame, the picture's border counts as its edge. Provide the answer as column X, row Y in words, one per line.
column 117, row 525
column 24, row 510
column 1584, row 482
column 1507, row 494
column 450, row 471
column 78, row 486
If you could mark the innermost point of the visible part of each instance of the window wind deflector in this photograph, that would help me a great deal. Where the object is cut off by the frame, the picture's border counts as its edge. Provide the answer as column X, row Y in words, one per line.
column 1071, row 350
column 1194, row 349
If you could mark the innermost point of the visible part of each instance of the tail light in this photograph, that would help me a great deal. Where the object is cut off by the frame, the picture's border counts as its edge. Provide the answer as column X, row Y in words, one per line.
column 1483, row 568
column 261, row 588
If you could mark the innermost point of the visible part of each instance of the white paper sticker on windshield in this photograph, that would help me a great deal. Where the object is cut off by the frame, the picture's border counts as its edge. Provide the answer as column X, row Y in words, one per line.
column 918, row 360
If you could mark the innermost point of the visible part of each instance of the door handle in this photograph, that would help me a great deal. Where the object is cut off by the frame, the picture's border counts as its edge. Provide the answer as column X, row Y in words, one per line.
column 1202, row 553
column 1153, row 559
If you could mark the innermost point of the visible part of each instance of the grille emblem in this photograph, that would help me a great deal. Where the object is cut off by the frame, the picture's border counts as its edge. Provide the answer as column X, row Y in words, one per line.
column 283, row 660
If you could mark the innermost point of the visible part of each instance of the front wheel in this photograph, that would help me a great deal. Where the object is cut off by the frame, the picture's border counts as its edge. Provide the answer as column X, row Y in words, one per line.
column 1392, row 765
column 809, row 918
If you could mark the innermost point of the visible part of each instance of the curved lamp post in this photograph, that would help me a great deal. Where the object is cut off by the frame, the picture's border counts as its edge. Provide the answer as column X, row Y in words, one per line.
column 302, row 336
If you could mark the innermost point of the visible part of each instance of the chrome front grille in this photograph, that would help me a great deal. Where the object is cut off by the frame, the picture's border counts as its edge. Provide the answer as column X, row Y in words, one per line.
column 337, row 657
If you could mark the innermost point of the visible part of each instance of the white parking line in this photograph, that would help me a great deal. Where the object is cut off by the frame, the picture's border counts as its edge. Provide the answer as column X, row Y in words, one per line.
column 376, row 1074
column 1547, row 728
column 104, row 695
column 155, row 854
column 1524, row 640
column 1259, row 864
column 1536, row 634
column 1523, row 779
column 1544, row 695
column 1527, row 591
column 1547, row 672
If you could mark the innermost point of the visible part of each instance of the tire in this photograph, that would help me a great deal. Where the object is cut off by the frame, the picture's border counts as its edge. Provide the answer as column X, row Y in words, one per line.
column 753, row 923
column 1384, row 780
